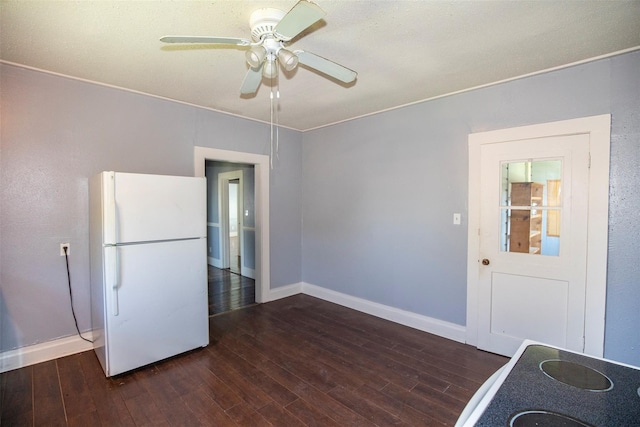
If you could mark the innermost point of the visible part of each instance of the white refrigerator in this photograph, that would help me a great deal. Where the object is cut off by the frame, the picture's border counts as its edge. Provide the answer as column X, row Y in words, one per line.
column 148, row 268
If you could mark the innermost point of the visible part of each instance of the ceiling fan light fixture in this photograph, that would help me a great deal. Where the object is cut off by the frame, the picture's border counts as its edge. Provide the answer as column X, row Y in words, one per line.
column 288, row 59
column 270, row 69
column 255, row 56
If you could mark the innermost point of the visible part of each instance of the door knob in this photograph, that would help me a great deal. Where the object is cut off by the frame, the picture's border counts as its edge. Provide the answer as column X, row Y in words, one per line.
column 485, row 262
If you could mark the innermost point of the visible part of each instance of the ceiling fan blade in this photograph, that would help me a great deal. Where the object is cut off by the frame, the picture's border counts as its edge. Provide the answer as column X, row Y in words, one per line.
column 252, row 80
column 301, row 16
column 205, row 40
column 325, row 66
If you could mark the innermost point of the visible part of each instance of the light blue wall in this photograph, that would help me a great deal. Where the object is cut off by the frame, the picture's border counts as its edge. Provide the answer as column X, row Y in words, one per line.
column 379, row 193
column 56, row 133
column 622, row 339
column 376, row 195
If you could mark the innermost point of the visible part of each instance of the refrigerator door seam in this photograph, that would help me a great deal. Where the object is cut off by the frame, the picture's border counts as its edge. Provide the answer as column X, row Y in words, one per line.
column 149, row 242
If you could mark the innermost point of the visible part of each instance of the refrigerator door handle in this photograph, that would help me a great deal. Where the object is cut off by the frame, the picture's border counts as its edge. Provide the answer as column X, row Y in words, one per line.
column 112, row 277
column 116, row 280
column 114, row 220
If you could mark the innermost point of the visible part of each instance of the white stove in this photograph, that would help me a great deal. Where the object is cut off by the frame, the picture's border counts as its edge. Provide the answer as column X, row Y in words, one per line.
column 544, row 385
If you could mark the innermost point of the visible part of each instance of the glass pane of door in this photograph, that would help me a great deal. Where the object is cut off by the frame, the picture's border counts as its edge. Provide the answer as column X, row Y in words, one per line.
column 531, row 206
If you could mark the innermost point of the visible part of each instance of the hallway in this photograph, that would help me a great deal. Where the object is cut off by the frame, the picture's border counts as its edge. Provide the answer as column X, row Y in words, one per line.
column 229, row 291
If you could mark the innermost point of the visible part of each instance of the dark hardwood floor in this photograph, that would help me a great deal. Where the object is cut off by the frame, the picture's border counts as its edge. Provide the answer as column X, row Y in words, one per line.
column 228, row 290
column 299, row 361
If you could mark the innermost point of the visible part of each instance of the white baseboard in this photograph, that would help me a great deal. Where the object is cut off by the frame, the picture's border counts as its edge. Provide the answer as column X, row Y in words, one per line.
column 249, row 272
column 284, row 291
column 37, row 353
column 417, row 321
column 215, row 262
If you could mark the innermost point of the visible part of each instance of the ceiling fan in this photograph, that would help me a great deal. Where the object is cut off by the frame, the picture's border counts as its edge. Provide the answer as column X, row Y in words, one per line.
column 271, row 30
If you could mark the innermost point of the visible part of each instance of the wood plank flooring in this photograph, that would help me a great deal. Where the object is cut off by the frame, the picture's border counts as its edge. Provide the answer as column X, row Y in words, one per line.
column 228, row 290
column 299, row 361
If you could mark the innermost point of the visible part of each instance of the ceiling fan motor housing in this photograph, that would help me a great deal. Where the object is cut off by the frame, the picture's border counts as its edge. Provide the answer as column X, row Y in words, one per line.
column 263, row 21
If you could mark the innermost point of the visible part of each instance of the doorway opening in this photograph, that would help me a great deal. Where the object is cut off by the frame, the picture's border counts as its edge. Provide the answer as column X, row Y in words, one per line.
column 230, row 235
column 253, row 218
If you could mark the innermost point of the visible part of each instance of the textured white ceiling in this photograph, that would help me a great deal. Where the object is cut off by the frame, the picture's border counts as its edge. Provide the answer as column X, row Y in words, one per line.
column 403, row 51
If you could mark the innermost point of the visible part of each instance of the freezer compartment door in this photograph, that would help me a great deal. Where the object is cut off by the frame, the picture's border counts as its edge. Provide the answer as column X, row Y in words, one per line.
column 158, row 307
column 158, row 207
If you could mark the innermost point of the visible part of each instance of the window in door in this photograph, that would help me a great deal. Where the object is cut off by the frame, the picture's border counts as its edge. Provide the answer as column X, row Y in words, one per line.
column 531, row 206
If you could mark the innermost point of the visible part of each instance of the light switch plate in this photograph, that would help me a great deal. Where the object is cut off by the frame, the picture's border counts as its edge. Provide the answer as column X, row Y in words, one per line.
column 456, row 218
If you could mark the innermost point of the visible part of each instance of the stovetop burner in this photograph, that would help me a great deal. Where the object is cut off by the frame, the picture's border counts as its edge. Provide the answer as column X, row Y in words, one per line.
column 544, row 418
column 576, row 375
column 563, row 387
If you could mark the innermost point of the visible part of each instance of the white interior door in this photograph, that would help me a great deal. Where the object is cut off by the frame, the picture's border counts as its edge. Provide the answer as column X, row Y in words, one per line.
column 533, row 242
column 234, row 226
column 529, row 289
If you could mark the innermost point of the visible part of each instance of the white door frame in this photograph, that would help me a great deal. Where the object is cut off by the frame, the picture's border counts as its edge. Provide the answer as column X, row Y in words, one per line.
column 223, row 214
column 599, row 130
column 261, row 168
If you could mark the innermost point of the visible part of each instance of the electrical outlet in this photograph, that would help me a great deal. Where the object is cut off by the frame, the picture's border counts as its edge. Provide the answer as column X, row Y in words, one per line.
column 65, row 245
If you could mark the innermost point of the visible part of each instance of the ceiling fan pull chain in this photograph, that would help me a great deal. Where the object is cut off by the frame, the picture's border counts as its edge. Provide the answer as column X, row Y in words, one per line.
column 277, row 118
column 271, row 126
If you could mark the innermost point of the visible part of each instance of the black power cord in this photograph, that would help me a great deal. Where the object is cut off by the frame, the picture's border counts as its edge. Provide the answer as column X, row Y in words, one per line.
column 75, row 320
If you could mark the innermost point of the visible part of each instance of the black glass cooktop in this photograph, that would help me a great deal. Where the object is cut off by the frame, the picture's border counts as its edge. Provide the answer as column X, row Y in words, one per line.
column 552, row 387
column 576, row 375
